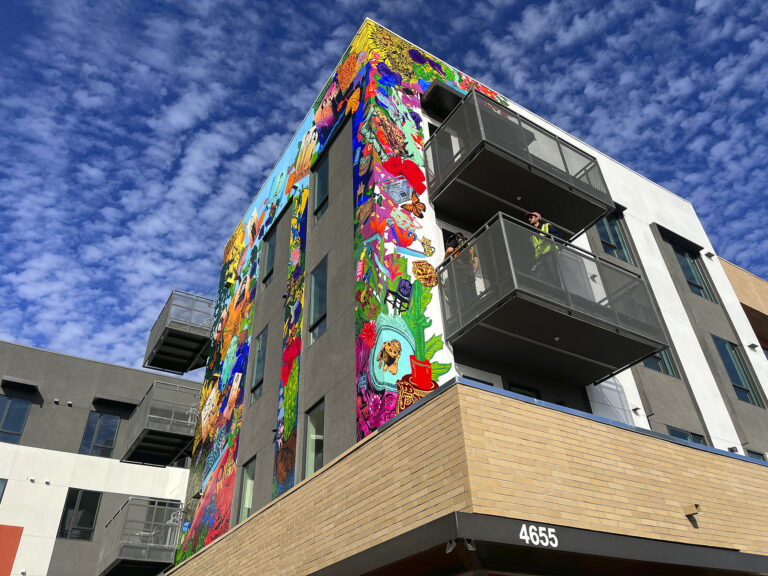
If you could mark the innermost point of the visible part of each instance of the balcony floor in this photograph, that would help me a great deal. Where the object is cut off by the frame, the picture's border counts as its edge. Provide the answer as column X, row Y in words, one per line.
column 179, row 351
column 157, row 447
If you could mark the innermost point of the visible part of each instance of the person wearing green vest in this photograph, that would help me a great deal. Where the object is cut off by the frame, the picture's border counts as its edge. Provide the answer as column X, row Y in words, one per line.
column 544, row 249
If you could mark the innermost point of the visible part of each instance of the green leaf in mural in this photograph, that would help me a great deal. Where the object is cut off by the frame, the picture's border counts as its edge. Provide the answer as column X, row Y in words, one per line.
column 432, row 346
column 439, row 369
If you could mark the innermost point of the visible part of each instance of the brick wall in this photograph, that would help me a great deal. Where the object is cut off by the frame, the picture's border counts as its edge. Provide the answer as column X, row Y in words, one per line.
column 472, row 450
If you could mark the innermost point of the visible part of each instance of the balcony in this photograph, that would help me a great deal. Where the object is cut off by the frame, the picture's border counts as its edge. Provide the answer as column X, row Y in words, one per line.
column 141, row 538
column 567, row 317
column 485, row 159
column 179, row 339
column 162, row 425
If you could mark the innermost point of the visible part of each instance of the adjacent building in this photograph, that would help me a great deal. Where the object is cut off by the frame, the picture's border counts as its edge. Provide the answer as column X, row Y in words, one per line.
column 92, row 459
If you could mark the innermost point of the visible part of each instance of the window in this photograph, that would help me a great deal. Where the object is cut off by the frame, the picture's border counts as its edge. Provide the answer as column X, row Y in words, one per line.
column 100, row 434
column 315, row 429
column 13, row 416
column 246, row 489
column 693, row 272
column 321, row 189
column 613, row 238
column 661, row 362
column 258, row 366
column 317, row 318
column 3, row 483
column 269, row 255
column 737, row 371
column 79, row 517
column 756, row 455
column 685, row 435
column 522, row 390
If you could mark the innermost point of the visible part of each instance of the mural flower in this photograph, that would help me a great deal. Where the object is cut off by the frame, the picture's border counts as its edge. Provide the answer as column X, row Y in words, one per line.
column 368, row 334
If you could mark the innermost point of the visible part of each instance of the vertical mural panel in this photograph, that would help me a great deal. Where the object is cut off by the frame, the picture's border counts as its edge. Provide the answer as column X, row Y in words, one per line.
column 288, row 395
column 400, row 354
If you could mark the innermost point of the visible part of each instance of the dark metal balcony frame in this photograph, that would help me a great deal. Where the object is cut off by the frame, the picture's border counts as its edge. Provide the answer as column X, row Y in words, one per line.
column 162, row 426
column 141, row 546
column 533, row 166
column 177, row 342
column 539, row 302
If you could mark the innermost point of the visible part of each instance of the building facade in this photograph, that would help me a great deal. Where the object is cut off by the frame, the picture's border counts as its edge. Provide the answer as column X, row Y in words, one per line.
column 340, row 306
column 91, row 464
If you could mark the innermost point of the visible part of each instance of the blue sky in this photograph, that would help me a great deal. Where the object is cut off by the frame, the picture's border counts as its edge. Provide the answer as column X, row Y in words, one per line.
column 133, row 135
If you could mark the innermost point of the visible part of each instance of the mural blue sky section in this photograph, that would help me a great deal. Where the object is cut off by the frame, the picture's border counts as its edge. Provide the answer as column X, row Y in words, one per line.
column 135, row 134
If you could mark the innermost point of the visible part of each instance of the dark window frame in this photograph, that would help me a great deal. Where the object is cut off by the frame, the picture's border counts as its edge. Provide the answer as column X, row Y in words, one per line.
column 318, row 320
column 67, row 526
column 737, row 369
column 681, row 434
column 257, row 383
column 311, row 469
column 10, row 435
column 268, row 245
column 755, row 455
column 664, row 361
column 614, row 238
column 251, row 462
column 694, row 273
column 321, row 188
column 3, row 486
column 92, row 446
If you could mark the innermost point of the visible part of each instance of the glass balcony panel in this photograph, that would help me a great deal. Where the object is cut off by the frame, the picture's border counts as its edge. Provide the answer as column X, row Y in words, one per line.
column 180, row 314
column 502, row 127
column 631, row 301
column 448, row 147
column 584, row 171
column 537, row 276
column 545, row 151
column 183, row 300
column 581, row 274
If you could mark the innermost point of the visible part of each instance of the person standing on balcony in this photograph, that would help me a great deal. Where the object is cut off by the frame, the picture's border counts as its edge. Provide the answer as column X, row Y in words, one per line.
column 544, row 249
column 464, row 267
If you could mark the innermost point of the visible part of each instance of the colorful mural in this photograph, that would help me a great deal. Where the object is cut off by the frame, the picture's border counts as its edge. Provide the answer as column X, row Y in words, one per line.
column 399, row 350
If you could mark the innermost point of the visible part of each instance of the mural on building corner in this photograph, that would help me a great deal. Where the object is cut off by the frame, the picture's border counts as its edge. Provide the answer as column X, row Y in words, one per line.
column 399, row 349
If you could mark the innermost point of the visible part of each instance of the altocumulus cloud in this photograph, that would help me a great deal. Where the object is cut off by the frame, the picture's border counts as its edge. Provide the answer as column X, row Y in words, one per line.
column 134, row 135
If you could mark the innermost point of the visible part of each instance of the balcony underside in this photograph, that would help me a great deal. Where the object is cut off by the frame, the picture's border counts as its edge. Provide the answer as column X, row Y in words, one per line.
column 126, row 567
column 157, row 447
column 179, row 351
column 490, row 181
column 541, row 342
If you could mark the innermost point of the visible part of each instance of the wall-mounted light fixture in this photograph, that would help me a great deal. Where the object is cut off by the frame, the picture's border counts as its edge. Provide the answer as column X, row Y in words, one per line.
column 753, row 346
column 709, row 254
column 691, row 510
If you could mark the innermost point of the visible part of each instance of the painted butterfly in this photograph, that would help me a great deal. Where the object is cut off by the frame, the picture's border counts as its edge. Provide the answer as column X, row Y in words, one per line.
column 414, row 206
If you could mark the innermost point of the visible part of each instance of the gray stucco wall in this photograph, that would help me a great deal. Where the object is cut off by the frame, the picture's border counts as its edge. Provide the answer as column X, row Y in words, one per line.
column 710, row 319
column 327, row 365
column 75, row 380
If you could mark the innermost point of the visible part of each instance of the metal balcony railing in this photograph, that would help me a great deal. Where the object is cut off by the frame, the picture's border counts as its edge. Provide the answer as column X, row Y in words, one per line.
column 178, row 341
column 568, row 286
column 141, row 538
column 162, row 424
column 484, row 150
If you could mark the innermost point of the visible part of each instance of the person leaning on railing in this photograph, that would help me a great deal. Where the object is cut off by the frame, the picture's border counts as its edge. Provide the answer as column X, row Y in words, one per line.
column 464, row 266
column 544, row 248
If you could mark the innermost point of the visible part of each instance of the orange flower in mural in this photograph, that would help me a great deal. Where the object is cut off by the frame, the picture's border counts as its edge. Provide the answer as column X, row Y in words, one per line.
column 354, row 101
column 347, row 71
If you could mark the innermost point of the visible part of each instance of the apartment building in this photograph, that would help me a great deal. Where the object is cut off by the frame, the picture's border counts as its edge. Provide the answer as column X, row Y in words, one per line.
column 92, row 458
column 408, row 374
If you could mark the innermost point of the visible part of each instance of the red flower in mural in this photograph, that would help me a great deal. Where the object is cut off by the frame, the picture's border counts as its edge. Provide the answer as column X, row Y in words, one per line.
column 414, row 175
column 393, row 165
column 290, row 354
column 404, row 237
column 487, row 91
column 368, row 334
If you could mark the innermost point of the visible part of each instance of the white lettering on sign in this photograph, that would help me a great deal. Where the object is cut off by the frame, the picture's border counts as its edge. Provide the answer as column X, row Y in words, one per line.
column 538, row 535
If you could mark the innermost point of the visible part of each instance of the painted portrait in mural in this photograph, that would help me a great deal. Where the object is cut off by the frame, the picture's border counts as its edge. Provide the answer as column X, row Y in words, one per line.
column 400, row 355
